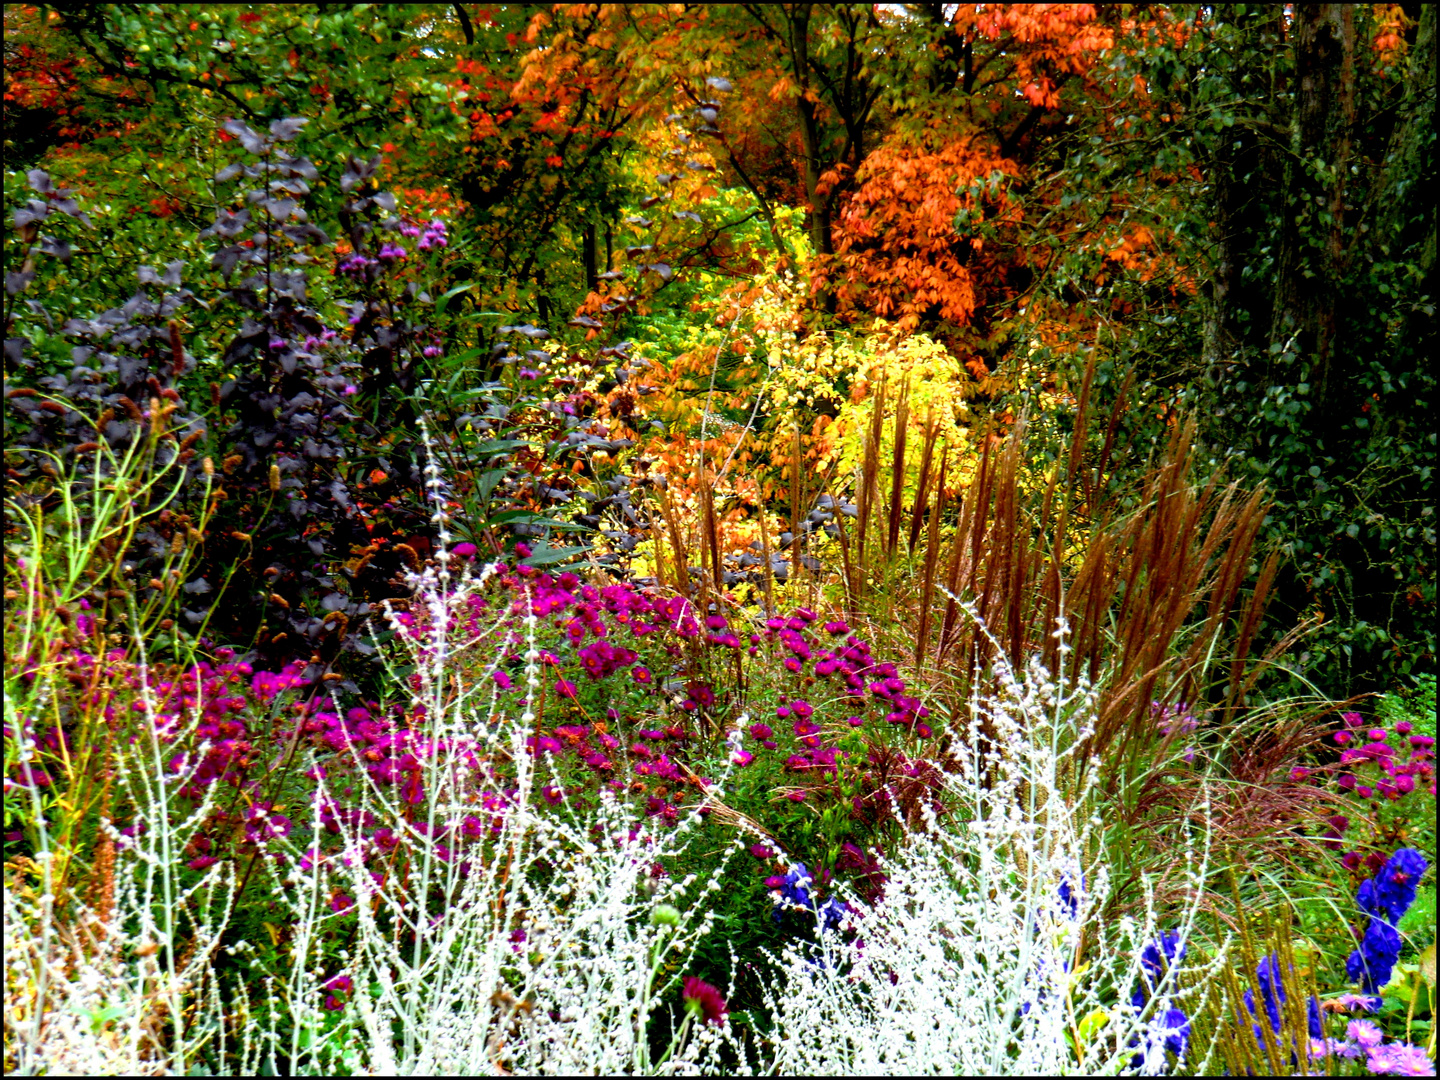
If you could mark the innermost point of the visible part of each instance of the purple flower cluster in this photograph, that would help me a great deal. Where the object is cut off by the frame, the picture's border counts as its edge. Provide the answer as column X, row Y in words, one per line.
column 357, row 266
column 434, row 236
column 1363, row 1038
column 1176, row 721
column 1396, row 778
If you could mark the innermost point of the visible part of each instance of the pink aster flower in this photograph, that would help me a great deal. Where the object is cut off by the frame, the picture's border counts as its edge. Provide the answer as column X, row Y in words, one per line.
column 1366, row 1034
column 1400, row 1059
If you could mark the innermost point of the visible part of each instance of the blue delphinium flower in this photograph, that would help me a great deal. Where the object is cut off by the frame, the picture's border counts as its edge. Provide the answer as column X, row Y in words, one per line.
column 794, row 892
column 1155, row 960
column 1272, row 998
column 1177, row 1027
column 1385, row 898
column 1371, row 964
column 1068, row 896
column 1392, row 890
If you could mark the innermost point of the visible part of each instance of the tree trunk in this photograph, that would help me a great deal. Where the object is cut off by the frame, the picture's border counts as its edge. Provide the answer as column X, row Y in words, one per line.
column 820, row 239
column 1303, row 317
column 590, row 256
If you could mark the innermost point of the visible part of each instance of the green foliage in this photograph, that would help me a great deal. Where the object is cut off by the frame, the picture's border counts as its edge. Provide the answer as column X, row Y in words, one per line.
column 1416, row 705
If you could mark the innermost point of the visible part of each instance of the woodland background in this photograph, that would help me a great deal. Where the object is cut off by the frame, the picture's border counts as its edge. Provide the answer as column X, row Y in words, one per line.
column 1222, row 210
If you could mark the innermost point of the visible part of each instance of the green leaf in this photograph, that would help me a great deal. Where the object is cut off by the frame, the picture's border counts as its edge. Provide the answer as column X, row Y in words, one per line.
column 500, row 446
column 445, row 299
column 1092, row 1023
column 544, row 556
column 485, row 486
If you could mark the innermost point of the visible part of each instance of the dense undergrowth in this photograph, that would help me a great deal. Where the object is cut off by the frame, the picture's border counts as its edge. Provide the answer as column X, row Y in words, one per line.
column 393, row 686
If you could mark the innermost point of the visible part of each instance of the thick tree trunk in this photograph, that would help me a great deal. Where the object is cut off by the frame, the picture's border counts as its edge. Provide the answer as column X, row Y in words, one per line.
column 1303, row 317
column 820, row 239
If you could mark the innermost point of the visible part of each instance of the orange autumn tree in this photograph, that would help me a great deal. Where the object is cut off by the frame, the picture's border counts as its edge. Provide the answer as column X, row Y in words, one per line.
column 927, row 233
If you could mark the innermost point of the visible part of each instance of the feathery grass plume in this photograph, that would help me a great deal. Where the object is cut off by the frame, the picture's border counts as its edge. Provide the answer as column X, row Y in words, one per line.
column 990, row 952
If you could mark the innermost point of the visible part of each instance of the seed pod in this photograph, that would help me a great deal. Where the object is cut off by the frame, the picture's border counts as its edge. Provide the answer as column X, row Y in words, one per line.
column 177, row 353
column 207, row 466
column 274, row 477
column 228, row 465
column 177, row 543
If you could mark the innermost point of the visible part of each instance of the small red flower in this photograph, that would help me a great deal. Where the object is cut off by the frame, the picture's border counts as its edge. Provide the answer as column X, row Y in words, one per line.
column 700, row 997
